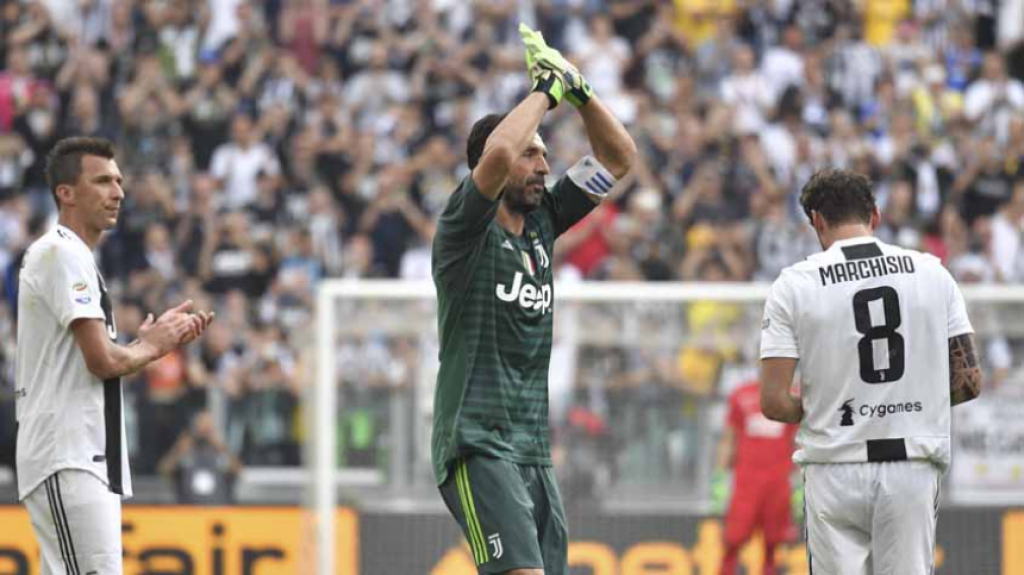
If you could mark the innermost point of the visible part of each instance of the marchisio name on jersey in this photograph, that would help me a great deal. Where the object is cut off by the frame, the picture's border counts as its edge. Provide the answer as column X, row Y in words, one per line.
column 864, row 269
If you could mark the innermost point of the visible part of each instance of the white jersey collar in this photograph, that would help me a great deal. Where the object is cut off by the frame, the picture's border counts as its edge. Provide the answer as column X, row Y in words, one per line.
column 64, row 230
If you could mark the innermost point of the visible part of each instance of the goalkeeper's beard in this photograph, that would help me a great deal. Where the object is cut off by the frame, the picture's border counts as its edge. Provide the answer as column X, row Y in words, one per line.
column 524, row 197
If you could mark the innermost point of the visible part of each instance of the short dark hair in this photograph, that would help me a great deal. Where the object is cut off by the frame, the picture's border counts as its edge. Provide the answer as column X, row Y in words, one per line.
column 478, row 137
column 840, row 196
column 64, row 162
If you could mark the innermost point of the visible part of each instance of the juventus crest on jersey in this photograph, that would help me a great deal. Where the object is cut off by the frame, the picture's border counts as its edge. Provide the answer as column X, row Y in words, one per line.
column 870, row 325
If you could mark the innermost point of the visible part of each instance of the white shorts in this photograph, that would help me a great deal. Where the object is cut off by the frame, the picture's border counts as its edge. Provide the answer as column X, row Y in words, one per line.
column 77, row 521
column 871, row 518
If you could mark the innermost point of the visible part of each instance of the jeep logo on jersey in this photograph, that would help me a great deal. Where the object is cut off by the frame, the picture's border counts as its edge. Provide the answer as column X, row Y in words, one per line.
column 528, row 295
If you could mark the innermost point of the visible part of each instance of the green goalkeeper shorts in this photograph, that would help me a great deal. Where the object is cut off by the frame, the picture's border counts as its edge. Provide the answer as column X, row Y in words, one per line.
column 511, row 515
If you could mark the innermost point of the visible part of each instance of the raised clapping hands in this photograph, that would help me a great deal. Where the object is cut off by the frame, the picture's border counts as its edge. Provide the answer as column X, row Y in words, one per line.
column 542, row 60
column 176, row 327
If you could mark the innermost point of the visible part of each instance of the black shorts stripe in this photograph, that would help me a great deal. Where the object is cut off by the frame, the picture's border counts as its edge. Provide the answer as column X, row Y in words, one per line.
column 887, row 450
column 61, row 542
column 67, row 526
column 862, row 251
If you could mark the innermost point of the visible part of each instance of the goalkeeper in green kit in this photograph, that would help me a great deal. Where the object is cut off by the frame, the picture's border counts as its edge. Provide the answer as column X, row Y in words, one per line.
column 492, row 268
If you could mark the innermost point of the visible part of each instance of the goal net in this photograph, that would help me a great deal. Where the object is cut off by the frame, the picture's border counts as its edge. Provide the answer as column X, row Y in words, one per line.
column 639, row 375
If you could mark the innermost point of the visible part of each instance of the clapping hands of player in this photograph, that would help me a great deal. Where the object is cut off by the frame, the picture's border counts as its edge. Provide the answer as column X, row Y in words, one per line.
column 176, row 327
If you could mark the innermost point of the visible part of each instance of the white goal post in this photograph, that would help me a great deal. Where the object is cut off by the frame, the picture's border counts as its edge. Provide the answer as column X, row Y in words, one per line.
column 356, row 306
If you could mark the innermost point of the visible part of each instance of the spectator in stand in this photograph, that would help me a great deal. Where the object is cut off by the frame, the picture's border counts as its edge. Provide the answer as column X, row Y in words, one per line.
column 747, row 90
column 148, row 106
column 700, row 19
column 326, row 229
column 224, row 23
column 14, row 162
column 985, row 184
column 393, row 220
column 265, row 413
column 778, row 240
column 1007, row 252
column 586, row 245
column 208, row 107
column 200, row 465
column 705, row 200
column 38, row 124
column 934, row 103
column 86, row 117
column 231, row 260
column 602, row 58
column 661, row 58
column 179, row 36
column 898, row 224
column 163, row 405
column 358, row 260
column 993, row 99
column 882, row 18
column 856, row 66
column 783, row 64
column 303, row 27
column 45, row 44
column 237, row 163
column 962, row 57
column 372, row 90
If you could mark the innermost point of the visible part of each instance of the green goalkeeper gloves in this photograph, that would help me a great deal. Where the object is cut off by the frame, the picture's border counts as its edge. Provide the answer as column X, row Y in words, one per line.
column 721, row 492
column 796, row 504
column 550, row 84
column 540, row 56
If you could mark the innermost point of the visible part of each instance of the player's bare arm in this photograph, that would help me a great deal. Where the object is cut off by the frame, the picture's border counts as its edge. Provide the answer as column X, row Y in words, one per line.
column 105, row 359
column 964, row 370
column 612, row 144
column 777, row 402
column 508, row 141
column 726, row 448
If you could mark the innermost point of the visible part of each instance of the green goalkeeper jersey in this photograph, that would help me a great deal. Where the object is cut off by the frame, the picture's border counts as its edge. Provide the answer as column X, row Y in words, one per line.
column 495, row 303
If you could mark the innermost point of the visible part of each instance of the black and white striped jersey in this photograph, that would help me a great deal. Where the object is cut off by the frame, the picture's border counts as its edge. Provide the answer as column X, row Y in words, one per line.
column 870, row 325
column 67, row 417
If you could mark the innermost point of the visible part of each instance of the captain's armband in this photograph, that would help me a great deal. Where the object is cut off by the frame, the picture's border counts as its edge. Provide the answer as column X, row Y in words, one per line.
column 594, row 179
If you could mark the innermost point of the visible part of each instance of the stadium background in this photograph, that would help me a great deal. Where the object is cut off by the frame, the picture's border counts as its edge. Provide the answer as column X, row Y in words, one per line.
column 269, row 145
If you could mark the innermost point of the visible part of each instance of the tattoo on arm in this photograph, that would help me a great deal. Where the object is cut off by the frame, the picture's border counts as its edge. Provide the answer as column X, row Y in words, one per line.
column 964, row 371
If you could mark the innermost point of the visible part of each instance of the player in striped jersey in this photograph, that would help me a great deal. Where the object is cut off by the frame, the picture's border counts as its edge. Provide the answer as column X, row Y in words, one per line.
column 885, row 348
column 72, row 459
column 492, row 267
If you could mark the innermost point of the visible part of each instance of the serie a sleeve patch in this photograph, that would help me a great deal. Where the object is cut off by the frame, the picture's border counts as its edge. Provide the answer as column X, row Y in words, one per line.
column 590, row 176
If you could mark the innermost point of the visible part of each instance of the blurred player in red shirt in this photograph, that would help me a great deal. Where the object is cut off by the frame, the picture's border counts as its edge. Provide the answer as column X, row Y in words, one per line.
column 759, row 451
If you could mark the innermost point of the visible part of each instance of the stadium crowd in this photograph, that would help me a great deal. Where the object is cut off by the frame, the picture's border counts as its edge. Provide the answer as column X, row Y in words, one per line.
column 270, row 144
